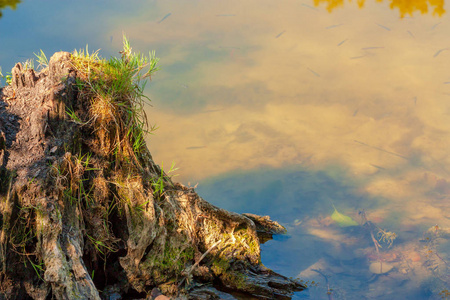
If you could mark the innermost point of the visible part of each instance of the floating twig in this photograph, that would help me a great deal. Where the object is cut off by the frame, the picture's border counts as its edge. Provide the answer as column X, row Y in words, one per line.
column 342, row 42
column 280, row 34
column 384, row 27
column 165, row 17
column 381, row 149
column 329, row 291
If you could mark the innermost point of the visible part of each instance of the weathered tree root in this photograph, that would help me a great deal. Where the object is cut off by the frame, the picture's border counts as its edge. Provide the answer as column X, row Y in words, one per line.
column 78, row 218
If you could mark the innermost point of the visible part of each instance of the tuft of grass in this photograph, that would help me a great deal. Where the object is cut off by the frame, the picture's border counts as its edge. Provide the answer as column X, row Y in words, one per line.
column 23, row 237
column 73, row 116
column 41, row 59
column 114, row 89
column 159, row 183
column 28, row 64
column 102, row 247
column 7, row 77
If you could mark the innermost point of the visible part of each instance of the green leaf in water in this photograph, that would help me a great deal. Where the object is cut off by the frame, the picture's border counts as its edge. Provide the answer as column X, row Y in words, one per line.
column 342, row 220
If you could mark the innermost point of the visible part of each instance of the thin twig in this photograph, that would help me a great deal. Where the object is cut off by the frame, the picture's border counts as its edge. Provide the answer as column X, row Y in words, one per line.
column 329, row 291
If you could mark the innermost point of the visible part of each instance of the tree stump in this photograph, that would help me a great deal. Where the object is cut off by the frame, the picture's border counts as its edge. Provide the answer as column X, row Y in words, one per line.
column 87, row 214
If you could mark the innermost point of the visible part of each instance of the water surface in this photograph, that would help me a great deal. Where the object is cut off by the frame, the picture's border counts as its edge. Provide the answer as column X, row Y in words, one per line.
column 294, row 109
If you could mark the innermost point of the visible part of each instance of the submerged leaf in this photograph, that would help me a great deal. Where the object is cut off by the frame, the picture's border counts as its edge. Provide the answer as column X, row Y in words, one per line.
column 342, row 220
column 380, row 268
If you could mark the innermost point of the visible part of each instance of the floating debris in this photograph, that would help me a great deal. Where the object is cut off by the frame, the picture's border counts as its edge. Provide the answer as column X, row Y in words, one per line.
column 384, row 27
column 410, row 33
column 379, row 267
column 315, row 73
column 334, row 26
column 435, row 25
column 342, row 220
column 372, row 48
column 280, row 34
column 381, row 149
column 165, row 17
column 342, row 42
column 378, row 167
column 439, row 51
column 309, row 6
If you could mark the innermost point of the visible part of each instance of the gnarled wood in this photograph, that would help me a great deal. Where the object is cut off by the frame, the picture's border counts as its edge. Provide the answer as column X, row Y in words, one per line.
column 77, row 219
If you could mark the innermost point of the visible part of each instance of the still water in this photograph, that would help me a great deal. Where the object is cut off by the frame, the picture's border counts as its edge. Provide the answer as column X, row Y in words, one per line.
column 332, row 117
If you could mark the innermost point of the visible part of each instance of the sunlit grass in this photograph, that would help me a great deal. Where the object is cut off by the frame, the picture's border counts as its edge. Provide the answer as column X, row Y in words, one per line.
column 115, row 89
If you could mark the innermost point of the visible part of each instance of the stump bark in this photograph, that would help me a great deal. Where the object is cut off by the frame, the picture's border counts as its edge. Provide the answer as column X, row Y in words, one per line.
column 81, row 221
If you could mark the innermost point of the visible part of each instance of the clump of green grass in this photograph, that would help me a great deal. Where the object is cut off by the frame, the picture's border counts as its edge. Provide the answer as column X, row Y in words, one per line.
column 159, row 183
column 115, row 90
column 7, row 77
column 41, row 59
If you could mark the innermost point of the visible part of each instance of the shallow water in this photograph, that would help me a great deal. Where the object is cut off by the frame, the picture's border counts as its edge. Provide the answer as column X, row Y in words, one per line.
column 294, row 109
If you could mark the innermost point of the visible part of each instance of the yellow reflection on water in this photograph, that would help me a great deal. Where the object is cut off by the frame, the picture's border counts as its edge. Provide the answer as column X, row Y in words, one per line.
column 408, row 7
column 252, row 83
column 247, row 84
column 6, row 3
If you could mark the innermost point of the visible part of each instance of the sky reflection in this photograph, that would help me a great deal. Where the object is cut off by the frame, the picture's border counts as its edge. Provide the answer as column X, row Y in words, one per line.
column 406, row 8
column 358, row 96
column 286, row 110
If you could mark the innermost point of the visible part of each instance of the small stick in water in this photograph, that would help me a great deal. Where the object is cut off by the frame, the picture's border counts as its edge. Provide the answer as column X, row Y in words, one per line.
column 342, row 42
column 334, row 26
column 435, row 25
column 309, row 6
column 165, row 17
column 384, row 27
column 381, row 149
column 439, row 52
column 371, row 48
column 315, row 73
column 280, row 34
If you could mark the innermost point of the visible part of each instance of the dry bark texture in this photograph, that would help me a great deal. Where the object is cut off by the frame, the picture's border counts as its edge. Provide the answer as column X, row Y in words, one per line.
column 78, row 218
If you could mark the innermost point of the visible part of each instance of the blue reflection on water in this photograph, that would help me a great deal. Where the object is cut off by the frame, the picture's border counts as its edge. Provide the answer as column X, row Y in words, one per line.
column 331, row 258
column 299, row 199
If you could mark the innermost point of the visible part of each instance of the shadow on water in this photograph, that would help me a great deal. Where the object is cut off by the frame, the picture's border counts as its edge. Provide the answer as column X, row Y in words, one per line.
column 338, row 242
column 284, row 193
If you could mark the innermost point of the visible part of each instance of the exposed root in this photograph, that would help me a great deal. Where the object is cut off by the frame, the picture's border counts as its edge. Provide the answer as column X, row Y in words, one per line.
column 92, row 211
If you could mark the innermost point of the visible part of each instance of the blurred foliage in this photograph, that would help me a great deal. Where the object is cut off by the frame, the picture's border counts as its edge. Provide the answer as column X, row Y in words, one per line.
column 6, row 3
column 406, row 7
